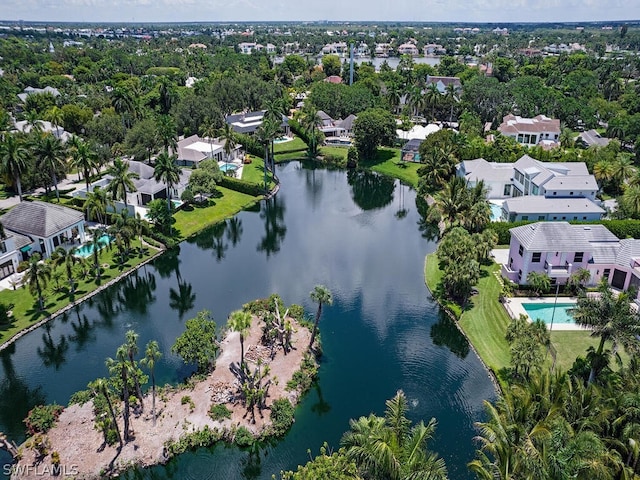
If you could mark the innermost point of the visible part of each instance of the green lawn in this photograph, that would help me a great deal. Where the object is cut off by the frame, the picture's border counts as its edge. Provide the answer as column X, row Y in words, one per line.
column 295, row 145
column 254, row 172
column 25, row 311
column 287, row 157
column 194, row 219
column 387, row 161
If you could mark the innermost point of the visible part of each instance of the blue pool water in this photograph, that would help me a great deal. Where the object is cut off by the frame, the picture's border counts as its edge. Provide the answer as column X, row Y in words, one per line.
column 496, row 212
column 544, row 311
column 87, row 249
column 282, row 140
column 228, row 167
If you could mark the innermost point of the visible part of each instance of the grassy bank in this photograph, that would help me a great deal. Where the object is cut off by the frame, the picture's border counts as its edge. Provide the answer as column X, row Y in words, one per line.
column 387, row 161
column 254, row 172
column 192, row 220
column 25, row 311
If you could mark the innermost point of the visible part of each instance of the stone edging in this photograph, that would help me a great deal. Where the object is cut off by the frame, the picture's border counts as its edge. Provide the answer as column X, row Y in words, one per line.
column 490, row 373
column 33, row 327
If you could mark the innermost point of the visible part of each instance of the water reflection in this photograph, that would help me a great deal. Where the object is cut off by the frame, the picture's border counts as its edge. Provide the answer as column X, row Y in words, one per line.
column 274, row 227
column 429, row 230
column 183, row 299
column 445, row 333
column 137, row 292
column 370, row 190
column 52, row 352
column 234, row 232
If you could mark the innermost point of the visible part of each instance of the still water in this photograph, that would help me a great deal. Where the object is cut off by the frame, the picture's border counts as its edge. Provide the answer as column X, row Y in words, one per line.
column 357, row 233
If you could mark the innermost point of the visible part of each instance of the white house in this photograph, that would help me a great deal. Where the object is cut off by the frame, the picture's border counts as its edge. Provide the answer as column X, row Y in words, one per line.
column 408, row 49
column 35, row 91
column 194, row 149
column 531, row 131
column 537, row 207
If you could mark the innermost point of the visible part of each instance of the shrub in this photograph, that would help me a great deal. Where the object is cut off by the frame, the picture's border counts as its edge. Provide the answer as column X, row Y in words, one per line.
column 42, row 417
column 303, row 378
column 4, row 313
column 296, row 311
column 281, row 416
column 242, row 186
column 219, row 412
column 80, row 398
column 202, row 438
column 22, row 266
column 186, row 399
column 243, row 437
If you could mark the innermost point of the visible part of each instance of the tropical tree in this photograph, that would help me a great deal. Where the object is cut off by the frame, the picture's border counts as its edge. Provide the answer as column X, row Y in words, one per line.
column 37, row 276
column 321, row 295
column 84, row 158
column 611, row 318
column 13, row 160
column 51, row 155
column 96, row 204
column 166, row 132
column 132, row 350
column 68, row 258
column 151, row 356
column 122, row 180
column 389, row 448
column 310, row 121
column 227, row 134
column 166, row 170
column 539, row 282
column 240, row 321
column 101, row 386
column 121, row 369
column 451, row 98
column 433, row 99
column 198, row 343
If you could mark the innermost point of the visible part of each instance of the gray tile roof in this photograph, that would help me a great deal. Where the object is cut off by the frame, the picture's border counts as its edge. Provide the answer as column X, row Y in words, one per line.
column 592, row 137
column 480, row 169
column 539, row 204
column 552, row 237
column 629, row 248
column 40, row 219
column 575, row 182
column 20, row 240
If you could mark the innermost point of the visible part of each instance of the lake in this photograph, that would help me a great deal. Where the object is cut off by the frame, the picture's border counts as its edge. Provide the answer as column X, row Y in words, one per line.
column 359, row 234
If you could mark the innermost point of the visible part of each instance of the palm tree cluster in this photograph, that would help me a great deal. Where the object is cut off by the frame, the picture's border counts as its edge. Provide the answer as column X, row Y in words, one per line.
column 459, row 204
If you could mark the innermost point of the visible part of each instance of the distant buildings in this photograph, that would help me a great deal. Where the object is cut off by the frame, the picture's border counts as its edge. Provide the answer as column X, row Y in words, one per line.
column 443, row 82
column 249, row 122
column 531, row 131
column 35, row 91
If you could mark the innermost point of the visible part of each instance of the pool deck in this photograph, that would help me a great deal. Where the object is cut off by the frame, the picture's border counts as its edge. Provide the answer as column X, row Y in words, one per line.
column 514, row 308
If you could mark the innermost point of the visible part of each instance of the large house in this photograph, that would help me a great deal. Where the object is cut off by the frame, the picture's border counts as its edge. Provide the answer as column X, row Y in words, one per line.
column 539, row 130
column 249, row 122
column 560, row 249
column 408, row 49
column 35, row 91
column 39, row 227
column 194, row 149
column 442, row 83
column 536, row 207
column 335, row 128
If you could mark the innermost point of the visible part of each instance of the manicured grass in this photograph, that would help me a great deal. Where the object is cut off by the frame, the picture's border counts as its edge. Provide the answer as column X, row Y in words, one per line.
column 254, row 172
column 25, row 308
column 571, row 344
column 287, row 157
column 387, row 161
column 190, row 221
column 295, row 145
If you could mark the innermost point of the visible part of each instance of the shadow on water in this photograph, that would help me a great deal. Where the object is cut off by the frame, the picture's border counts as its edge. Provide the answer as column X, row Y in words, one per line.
column 369, row 190
column 275, row 229
column 445, row 333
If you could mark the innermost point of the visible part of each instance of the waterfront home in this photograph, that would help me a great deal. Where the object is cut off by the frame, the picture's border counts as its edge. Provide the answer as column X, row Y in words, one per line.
column 537, row 207
column 336, row 128
column 249, row 122
column 192, row 150
column 40, row 227
column 410, row 150
column 560, row 249
column 442, row 83
column 408, row 49
column 539, row 130
column 529, row 176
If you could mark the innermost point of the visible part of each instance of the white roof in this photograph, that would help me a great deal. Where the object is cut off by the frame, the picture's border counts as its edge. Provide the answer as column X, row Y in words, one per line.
column 204, row 147
column 418, row 131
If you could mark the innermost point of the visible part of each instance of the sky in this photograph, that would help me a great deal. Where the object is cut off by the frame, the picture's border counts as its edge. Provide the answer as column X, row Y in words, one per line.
column 493, row 11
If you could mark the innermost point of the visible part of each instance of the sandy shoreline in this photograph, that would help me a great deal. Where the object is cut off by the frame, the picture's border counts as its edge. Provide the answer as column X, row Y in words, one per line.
column 80, row 445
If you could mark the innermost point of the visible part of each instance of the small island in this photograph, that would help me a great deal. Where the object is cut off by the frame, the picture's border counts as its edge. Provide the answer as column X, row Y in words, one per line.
column 245, row 388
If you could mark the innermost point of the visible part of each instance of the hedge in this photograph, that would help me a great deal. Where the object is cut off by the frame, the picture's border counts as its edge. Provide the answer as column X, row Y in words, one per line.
column 620, row 228
column 296, row 128
column 250, row 188
column 250, row 144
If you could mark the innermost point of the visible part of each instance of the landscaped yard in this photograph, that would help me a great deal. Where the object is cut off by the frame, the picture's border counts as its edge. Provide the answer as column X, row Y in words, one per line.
column 387, row 162
column 295, row 145
column 25, row 312
column 194, row 219
column 254, row 172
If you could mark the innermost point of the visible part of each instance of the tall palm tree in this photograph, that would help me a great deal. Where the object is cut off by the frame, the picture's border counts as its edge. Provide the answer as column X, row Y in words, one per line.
column 101, row 386
column 166, row 131
column 433, row 98
column 132, row 350
column 96, row 204
column 166, row 170
column 37, row 276
column 13, row 160
column 122, row 181
column 33, row 121
column 451, row 96
column 209, row 130
column 84, row 158
column 51, row 154
column 151, row 356
column 321, row 295
column 240, row 321
column 310, row 122
column 610, row 318
column 62, row 256
column 120, row 368
column 227, row 134
column 54, row 115
column 265, row 133
column 388, row 448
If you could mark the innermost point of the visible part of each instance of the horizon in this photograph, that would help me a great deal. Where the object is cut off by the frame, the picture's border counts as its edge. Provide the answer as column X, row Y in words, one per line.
column 365, row 11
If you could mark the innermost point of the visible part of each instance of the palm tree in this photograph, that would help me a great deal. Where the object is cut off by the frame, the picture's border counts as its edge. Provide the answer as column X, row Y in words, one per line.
column 100, row 385
column 120, row 367
column 451, row 96
column 62, row 256
column 630, row 200
column 37, row 276
column 13, row 160
column 209, row 130
column 166, row 170
column 33, row 121
column 612, row 319
column 122, row 181
column 433, row 98
column 321, row 295
column 84, row 158
column 240, row 321
column 96, row 204
column 388, row 448
column 166, row 132
column 264, row 134
column 132, row 350
column 622, row 169
column 310, row 122
column 151, row 356
column 54, row 115
column 227, row 134
column 96, row 247
column 539, row 281
column 51, row 155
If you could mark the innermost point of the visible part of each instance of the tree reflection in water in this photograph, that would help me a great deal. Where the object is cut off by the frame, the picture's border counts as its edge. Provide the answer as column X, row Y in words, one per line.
column 370, row 190
column 274, row 228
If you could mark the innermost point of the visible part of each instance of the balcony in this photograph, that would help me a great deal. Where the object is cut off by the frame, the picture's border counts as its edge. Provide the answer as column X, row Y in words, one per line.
column 558, row 270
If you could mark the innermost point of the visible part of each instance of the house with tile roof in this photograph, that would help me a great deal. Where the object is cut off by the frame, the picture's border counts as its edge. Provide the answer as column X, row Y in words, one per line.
column 35, row 91
column 249, row 122
column 539, row 130
column 192, row 150
column 560, row 249
column 442, row 83
column 42, row 227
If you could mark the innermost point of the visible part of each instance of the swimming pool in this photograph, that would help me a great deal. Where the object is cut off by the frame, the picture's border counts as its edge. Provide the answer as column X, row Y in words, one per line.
column 496, row 212
column 544, row 311
column 228, row 167
column 87, row 249
column 282, row 139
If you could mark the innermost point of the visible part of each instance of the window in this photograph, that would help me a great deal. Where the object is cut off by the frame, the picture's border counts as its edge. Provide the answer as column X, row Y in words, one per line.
column 606, row 273
column 519, row 275
column 578, row 257
column 555, row 218
column 584, row 218
column 555, row 193
column 3, row 247
column 507, row 190
column 525, row 217
column 564, row 218
column 535, row 258
column 510, row 262
column 535, row 190
column 540, row 217
column 520, row 250
column 570, row 193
